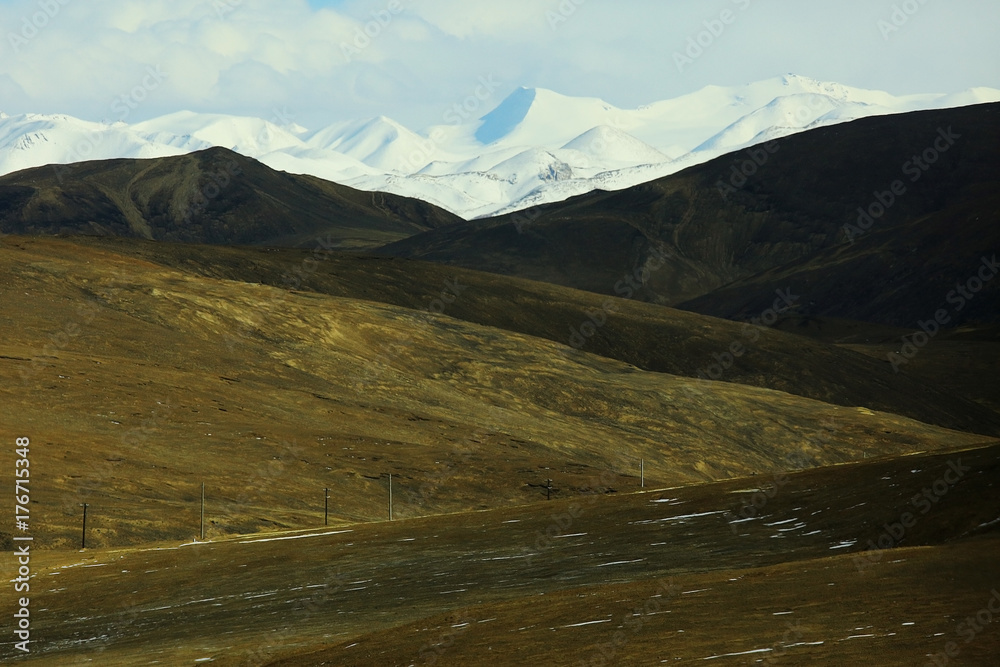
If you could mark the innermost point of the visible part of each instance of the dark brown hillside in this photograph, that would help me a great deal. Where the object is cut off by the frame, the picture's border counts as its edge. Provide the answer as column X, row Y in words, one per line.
column 213, row 196
column 784, row 227
column 649, row 337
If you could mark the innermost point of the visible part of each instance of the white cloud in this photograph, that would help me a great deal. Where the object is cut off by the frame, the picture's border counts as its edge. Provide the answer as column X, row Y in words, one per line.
column 511, row 19
column 267, row 53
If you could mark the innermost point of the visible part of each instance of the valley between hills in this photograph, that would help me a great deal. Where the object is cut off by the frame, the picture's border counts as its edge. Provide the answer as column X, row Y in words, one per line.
column 736, row 464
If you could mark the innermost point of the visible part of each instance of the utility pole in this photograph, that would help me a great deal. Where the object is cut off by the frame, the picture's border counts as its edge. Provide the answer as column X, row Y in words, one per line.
column 203, row 511
column 83, row 537
column 390, row 496
column 326, row 507
column 548, row 489
column 642, row 473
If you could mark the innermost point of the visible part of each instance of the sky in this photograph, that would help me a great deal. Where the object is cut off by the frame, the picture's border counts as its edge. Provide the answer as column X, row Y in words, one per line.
column 321, row 62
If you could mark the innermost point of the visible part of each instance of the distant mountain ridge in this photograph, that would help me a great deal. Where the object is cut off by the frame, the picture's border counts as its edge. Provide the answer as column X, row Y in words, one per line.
column 536, row 146
column 843, row 216
column 212, row 196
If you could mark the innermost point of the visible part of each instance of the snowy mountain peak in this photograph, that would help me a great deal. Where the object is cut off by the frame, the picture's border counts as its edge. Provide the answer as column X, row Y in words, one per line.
column 378, row 142
column 190, row 131
column 792, row 79
column 379, row 128
column 536, row 146
column 501, row 121
column 385, row 125
column 611, row 147
column 535, row 116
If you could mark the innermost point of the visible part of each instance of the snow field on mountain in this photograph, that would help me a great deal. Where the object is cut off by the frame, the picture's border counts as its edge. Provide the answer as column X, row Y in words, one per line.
column 535, row 147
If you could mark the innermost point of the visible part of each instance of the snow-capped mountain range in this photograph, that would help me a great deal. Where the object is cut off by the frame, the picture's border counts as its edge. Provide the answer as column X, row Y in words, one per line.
column 536, row 146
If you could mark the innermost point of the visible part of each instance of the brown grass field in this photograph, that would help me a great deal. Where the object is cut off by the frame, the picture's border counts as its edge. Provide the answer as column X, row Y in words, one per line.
column 139, row 377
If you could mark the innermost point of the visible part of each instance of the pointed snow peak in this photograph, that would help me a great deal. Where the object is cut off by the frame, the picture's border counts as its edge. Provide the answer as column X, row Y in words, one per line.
column 535, row 116
column 610, row 145
column 522, row 95
column 794, row 83
column 383, row 120
column 791, row 79
column 379, row 130
column 386, row 124
column 799, row 84
column 379, row 124
column 511, row 112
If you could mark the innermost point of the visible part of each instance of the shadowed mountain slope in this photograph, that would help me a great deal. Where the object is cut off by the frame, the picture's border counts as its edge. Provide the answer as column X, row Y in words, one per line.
column 212, row 196
column 793, row 223
column 644, row 335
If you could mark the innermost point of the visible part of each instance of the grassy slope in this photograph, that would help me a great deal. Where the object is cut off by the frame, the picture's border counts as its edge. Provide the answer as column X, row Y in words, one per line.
column 646, row 336
column 256, row 599
column 153, row 386
column 817, row 612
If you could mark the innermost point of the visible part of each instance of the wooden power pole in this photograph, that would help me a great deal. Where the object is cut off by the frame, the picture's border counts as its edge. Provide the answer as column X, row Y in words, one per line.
column 83, row 537
column 326, row 507
column 203, row 511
